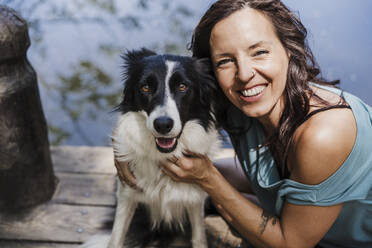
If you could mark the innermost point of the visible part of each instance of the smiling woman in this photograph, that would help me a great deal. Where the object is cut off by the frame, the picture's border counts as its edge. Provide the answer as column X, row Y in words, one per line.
column 302, row 143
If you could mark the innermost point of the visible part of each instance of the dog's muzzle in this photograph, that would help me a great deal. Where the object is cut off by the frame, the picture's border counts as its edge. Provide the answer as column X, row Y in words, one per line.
column 163, row 126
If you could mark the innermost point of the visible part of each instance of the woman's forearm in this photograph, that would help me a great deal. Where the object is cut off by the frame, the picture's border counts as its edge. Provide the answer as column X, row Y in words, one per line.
column 295, row 228
column 257, row 226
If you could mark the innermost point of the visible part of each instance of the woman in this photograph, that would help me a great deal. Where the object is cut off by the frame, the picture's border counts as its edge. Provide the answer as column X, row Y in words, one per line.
column 302, row 144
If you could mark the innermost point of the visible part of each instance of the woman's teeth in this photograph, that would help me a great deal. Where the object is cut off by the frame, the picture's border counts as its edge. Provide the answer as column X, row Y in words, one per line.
column 253, row 91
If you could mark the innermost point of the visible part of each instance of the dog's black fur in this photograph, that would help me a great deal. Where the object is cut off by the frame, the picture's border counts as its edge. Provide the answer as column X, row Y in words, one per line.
column 146, row 67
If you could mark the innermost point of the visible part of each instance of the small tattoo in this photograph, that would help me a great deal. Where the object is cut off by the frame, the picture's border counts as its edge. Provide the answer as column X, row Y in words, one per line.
column 266, row 217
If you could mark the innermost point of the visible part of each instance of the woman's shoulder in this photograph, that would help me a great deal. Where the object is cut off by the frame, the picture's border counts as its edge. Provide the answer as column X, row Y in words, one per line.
column 321, row 145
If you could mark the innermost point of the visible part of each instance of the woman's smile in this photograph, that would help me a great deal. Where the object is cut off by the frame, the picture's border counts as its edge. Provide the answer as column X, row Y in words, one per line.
column 252, row 94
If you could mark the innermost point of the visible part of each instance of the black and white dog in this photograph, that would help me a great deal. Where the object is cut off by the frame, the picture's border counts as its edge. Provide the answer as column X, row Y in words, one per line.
column 167, row 108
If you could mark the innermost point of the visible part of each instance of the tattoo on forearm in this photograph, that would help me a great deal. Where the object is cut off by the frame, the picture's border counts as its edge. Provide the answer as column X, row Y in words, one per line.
column 266, row 217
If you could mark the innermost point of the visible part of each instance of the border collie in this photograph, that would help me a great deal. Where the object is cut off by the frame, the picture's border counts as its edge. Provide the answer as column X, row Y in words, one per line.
column 167, row 108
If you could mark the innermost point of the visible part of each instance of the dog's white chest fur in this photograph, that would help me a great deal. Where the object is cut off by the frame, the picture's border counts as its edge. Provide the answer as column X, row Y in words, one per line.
column 135, row 144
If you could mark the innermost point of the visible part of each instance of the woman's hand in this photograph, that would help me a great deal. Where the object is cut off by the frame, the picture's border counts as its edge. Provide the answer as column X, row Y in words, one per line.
column 190, row 168
column 122, row 168
column 125, row 175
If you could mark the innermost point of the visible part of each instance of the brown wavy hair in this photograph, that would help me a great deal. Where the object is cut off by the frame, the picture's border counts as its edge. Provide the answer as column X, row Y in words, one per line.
column 302, row 68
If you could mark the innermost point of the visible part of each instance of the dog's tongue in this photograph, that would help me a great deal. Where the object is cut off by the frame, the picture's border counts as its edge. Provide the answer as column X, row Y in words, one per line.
column 165, row 142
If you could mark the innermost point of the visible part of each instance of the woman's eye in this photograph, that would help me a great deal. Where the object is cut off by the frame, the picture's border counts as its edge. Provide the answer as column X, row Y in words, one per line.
column 182, row 87
column 223, row 61
column 145, row 88
column 260, row 52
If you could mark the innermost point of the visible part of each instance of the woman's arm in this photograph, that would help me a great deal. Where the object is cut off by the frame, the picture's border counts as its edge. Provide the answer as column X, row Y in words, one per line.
column 122, row 168
column 124, row 174
column 320, row 148
column 299, row 226
column 229, row 167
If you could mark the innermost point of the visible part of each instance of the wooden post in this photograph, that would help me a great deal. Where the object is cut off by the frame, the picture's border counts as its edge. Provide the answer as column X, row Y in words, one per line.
column 26, row 172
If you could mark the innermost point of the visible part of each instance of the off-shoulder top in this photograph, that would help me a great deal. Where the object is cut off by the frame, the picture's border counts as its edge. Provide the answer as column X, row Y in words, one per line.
column 351, row 184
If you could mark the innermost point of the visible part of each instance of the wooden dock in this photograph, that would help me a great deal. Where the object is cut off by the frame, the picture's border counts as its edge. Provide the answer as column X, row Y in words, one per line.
column 83, row 204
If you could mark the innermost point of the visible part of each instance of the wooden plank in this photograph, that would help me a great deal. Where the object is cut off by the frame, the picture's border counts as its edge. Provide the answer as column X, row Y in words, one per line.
column 57, row 223
column 86, row 189
column 86, row 159
column 28, row 244
column 83, row 159
column 87, row 178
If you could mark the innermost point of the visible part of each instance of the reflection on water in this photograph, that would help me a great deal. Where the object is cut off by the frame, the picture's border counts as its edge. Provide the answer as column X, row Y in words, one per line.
column 76, row 47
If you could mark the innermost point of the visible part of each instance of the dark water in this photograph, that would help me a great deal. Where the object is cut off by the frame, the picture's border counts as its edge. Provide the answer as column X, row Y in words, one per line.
column 76, row 47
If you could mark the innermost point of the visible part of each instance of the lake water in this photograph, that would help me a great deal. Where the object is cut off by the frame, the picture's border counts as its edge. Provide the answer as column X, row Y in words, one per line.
column 76, row 47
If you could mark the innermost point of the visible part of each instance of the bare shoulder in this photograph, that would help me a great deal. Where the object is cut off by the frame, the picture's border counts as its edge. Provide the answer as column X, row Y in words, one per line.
column 321, row 145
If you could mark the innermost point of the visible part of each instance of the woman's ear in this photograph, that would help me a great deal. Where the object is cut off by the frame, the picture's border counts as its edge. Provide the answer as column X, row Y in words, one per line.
column 289, row 55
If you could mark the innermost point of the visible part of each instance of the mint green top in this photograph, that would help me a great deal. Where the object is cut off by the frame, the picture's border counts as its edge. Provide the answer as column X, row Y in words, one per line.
column 350, row 184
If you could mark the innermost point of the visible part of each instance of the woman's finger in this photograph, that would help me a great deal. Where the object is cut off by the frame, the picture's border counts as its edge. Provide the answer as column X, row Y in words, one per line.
column 172, row 167
column 170, row 174
column 190, row 154
column 173, row 160
column 128, row 174
column 119, row 171
column 125, row 175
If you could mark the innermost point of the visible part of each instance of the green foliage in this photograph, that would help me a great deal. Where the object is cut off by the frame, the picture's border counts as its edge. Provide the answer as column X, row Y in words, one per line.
column 58, row 134
column 88, row 89
column 107, row 5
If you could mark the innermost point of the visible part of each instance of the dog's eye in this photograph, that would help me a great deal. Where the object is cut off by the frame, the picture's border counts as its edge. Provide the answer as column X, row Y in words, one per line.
column 145, row 88
column 182, row 87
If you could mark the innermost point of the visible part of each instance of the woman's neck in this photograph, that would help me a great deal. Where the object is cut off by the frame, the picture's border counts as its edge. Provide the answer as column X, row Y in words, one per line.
column 270, row 121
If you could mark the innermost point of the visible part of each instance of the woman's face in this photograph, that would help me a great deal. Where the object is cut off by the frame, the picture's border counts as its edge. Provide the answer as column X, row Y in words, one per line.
column 250, row 64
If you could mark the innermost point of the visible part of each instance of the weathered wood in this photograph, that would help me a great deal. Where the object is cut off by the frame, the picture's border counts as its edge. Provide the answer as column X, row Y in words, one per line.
column 87, row 159
column 59, row 223
column 26, row 172
column 82, row 206
column 83, row 159
column 86, row 189
column 28, row 244
column 56, row 223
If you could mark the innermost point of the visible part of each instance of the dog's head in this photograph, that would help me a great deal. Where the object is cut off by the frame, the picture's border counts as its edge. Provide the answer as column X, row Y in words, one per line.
column 171, row 90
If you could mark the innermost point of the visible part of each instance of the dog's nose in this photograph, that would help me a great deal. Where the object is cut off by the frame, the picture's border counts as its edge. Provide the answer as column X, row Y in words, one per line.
column 163, row 124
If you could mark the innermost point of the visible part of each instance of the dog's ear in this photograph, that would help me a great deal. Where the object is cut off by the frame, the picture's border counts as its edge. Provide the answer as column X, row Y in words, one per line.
column 136, row 55
column 133, row 60
column 132, row 71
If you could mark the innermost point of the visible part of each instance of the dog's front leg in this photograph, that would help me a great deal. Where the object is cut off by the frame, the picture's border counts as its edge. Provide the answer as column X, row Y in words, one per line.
column 196, row 215
column 125, row 209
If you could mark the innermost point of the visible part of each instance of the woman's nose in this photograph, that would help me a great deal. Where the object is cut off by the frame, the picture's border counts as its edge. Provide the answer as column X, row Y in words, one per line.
column 244, row 71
